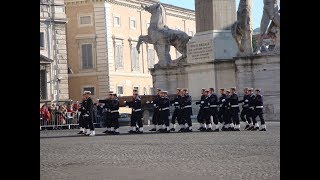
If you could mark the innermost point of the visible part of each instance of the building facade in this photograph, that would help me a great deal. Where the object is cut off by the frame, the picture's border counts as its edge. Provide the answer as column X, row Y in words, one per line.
column 53, row 53
column 101, row 44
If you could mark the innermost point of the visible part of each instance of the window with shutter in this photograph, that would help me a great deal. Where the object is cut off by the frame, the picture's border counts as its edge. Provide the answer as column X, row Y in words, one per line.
column 41, row 39
column 87, row 59
column 119, row 56
column 134, row 59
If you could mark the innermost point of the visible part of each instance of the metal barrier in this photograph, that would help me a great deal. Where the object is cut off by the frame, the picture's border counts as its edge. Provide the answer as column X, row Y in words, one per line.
column 67, row 120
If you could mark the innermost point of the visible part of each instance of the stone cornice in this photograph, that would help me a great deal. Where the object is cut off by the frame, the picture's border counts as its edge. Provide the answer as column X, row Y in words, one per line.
column 134, row 4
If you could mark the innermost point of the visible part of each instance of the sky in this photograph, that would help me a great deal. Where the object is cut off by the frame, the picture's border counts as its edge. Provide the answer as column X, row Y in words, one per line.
column 257, row 8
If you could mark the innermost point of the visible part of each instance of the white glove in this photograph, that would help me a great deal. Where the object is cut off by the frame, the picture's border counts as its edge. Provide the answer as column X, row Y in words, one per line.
column 148, row 102
column 86, row 115
column 209, row 104
column 223, row 100
column 246, row 100
column 202, row 102
column 151, row 101
column 124, row 101
column 155, row 105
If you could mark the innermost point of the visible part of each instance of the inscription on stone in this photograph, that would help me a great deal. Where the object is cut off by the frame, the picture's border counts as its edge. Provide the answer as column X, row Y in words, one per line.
column 200, row 51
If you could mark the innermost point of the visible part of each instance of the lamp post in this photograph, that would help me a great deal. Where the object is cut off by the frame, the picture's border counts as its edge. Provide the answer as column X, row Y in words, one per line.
column 58, row 80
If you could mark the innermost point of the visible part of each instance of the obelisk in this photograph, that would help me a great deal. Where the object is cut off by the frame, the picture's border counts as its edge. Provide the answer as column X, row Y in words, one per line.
column 212, row 42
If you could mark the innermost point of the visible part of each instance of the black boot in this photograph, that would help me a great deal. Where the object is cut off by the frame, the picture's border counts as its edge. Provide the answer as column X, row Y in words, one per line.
column 209, row 130
column 153, row 129
column 263, row 129
column 172, row 129
column 182, row 130
column 247, row 126
column 132, row 132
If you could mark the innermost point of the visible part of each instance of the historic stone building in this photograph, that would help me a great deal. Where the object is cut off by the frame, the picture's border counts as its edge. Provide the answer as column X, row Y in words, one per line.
column 101, row 44
column 53, row 53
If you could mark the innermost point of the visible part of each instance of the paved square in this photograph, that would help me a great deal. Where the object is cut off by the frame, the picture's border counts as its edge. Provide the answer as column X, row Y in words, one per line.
column 196, row 155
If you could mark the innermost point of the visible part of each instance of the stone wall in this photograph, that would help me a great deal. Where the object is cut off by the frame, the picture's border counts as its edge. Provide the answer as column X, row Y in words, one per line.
column 261, row 72
column 254, row 71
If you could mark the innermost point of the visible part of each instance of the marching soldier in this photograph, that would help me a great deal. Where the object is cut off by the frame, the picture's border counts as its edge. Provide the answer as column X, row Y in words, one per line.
column 88, row 114
column 136, row 115
column 186, row 108
column 164, row 112
column 201, row 115
column 155, row 116
column 258, row 111
column 244, row 115
column 229, row 126
column 234, row 109
column 251, row 108
column 114, row 114
column 82, row 123
column 176, row 113
column 214, row 109
column 206, row 112
column 106, row 113
column 222, row 108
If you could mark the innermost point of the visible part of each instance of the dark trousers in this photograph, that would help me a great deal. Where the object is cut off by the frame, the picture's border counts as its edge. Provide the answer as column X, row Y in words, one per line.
column 258, row 112
column 107, row 119
column 201, row 116
column 220, row 115
column 82, row 122
column 245, row 115
column 206, row 115
column 226, row 116
column 114, row 122
column 186, row 116
column 234, row 115
column 214, row 114
column 155, row 117
column 89, row 122
column 176, row 116
column 136, row 118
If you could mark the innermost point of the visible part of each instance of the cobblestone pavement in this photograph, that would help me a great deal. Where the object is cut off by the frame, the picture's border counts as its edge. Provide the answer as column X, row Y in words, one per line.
column 196, row 155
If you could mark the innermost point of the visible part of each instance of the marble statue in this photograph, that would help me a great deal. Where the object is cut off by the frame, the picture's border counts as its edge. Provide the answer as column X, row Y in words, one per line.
column 161, row 36
column 242, row 28
column 270, row 13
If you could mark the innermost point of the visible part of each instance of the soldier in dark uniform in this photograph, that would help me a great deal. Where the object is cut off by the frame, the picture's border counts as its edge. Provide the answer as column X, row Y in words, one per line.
column 106, row 113
column 222, row 108
column 251, row 107
column 214, row 109
column 244, row 115
column 201, row 116
column 136, row 115
column 82, row 123
column 229, row 126
column 164, row 112
column 176, row 113
column 206, row 112
column 234, row 109
column 186, row 108
column 88, row 114
column 155, row 115
column 114, row 114
column 258, row 111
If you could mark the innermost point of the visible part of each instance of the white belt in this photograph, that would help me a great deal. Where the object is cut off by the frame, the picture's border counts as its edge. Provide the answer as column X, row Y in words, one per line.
column 164, row 108
column 234, row 105
column 213, row 105
column 187, row 106
column 114, row 111
column 259, row 106
column 136, row 110
column 206, row 107
column 245, row 105
column 176, row 103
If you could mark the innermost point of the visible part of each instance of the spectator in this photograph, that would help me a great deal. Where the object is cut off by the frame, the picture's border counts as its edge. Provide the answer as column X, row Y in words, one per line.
column 45, row 114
